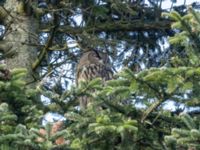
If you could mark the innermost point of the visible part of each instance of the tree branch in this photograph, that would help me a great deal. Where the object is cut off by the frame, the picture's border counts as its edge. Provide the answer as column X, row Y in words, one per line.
column 44, row 50
column 136, row 25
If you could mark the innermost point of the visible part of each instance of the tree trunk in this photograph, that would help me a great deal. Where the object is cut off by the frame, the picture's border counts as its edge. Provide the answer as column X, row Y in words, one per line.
column 20, row 36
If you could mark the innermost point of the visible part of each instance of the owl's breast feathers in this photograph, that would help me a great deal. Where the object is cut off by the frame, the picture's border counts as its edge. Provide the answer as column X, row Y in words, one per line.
column 92, row 71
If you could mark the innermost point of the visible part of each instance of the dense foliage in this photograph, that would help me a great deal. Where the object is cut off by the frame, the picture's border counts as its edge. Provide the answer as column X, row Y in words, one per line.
column 127, row 112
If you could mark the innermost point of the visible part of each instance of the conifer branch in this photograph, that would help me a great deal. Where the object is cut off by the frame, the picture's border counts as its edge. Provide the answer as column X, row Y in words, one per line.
column 136, row 25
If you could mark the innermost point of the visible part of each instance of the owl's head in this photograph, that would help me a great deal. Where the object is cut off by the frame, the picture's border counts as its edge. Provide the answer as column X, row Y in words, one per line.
column 93, row 64
column 94, row 57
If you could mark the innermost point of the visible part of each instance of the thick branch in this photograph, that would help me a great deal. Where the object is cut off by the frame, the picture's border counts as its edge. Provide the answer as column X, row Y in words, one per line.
column 136, row 25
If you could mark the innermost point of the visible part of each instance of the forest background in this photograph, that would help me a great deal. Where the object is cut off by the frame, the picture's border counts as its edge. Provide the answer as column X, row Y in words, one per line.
column 155, row 56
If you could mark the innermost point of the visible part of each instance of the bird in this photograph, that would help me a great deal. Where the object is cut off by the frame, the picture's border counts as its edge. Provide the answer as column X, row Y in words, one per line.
column 92, row 64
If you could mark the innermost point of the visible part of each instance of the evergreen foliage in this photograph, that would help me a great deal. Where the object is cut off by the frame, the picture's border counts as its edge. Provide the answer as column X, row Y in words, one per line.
column 186, row 137
column 16, row 107
column 125, row 113
column 17, row 99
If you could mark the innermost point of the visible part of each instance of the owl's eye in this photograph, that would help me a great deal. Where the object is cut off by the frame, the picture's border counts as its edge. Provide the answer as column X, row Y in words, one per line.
column 95, row 54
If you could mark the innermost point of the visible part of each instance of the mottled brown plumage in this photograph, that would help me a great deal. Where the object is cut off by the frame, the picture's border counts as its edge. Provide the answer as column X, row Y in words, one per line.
column 92, row 65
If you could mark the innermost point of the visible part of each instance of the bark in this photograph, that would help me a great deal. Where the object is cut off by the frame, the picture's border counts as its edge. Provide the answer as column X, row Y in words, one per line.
column 20, row 35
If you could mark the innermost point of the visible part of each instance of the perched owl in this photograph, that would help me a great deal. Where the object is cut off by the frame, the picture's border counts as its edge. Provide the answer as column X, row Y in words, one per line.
column 92, row 65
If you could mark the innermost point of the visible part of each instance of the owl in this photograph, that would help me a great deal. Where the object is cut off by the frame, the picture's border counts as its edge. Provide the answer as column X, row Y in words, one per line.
column 92, row 65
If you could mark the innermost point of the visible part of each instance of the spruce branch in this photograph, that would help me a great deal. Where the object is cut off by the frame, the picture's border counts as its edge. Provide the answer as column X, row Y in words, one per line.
column 44, row 51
